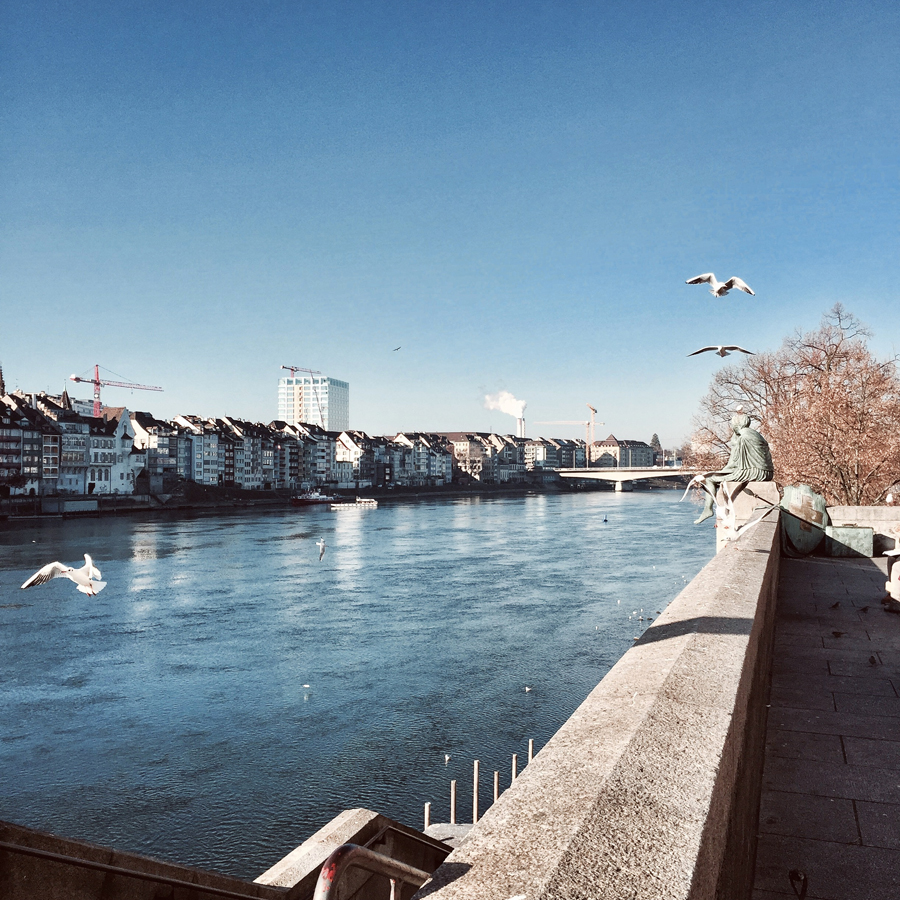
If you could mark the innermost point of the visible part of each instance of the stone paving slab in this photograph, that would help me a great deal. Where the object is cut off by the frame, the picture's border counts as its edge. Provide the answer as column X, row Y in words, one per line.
column 879, row 825
column 830, row 803
column 865, row 752
column 834, row 871
column 870, row 706
column 792, row 695
column 803, row 745
column 822, row 722
column 808, row 815
column 842, row 653
column 829, row 779
column 872, row 686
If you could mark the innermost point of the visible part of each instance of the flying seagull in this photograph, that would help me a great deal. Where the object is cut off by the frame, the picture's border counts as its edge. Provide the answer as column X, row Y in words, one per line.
column 721, row 288
column 321, row 545
column 722, row 350
column 87, row 578
column 396, row 349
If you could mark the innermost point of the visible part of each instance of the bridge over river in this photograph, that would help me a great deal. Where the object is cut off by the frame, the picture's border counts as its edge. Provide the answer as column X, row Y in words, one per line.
column 624, row 477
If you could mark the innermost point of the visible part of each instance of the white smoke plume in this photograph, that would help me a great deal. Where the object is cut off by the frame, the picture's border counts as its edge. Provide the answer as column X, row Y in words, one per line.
column 505, row 402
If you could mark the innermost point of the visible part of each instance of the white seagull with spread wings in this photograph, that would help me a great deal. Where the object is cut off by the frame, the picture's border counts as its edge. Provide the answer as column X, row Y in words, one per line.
column 87, row 578
column 321, row 545
column 722, row 350
column 721, row 288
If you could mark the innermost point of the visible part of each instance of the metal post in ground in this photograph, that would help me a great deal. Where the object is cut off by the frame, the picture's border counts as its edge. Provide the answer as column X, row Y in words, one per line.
column 530, row 749
column 475, row 793
column 496, row 786
column 515, row 766
column 453, row 802
column 427, row 815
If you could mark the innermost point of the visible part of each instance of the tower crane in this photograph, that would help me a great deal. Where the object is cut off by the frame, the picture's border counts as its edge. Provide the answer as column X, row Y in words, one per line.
column 97, row 382
column 588, row 426
column 293, row 369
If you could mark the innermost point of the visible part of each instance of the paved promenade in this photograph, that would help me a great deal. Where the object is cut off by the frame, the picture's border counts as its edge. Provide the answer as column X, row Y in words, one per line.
column 830, row 807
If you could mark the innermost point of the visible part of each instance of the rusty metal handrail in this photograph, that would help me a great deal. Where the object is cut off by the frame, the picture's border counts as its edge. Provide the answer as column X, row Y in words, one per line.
column 348, row 855
column 127, row 873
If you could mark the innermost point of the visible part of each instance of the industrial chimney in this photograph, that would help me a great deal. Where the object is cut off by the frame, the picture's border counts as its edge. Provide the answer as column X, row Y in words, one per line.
column 520, row 427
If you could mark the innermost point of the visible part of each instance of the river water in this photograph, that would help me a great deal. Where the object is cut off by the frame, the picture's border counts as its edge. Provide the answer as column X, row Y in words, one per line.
column 228, row 694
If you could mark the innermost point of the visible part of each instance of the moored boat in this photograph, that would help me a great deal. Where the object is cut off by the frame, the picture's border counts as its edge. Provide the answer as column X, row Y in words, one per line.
column 361, row 503
column 313, row 498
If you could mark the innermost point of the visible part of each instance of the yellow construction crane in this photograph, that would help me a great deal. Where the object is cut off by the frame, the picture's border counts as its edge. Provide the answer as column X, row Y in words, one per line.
column 588, row 426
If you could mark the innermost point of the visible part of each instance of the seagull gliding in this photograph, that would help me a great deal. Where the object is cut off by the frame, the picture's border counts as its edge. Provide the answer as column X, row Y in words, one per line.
column 87, row 578
column 321, row 545
column 721, row 288
column 723, row 350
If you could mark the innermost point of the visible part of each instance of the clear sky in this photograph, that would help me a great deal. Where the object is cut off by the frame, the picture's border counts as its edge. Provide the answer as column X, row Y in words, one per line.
column 195, row 193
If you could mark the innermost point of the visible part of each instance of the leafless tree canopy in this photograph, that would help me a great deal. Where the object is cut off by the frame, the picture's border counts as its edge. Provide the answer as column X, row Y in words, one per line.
column 829, row 410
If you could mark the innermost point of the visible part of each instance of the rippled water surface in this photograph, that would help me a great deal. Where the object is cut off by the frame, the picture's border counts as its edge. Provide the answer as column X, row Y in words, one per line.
column 170, row 715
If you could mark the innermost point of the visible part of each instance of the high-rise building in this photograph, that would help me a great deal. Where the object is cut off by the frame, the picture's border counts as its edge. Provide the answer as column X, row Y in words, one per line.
column 314, row 400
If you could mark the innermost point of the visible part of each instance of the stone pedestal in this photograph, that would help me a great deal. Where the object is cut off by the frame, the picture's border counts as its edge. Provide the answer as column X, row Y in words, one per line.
column 749, row 503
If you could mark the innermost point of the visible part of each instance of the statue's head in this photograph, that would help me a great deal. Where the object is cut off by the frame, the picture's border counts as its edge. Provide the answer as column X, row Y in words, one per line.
column 739, row 421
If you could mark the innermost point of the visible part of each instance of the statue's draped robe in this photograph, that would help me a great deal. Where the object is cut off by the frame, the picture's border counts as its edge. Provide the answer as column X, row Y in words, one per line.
column 750, row 459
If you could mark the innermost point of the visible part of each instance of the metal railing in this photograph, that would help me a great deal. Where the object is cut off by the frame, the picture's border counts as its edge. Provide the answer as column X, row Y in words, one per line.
column 349, row 855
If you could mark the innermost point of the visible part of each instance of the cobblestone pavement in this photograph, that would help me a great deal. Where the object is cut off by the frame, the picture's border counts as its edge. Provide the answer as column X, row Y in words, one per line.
column 830, row 805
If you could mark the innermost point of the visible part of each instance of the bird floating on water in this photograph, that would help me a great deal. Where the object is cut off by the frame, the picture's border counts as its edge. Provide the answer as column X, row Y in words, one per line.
column 321, row 545
column 723, row 350
column 527, row 689
column 721, row 288
column 446, row 758
column 87, row 578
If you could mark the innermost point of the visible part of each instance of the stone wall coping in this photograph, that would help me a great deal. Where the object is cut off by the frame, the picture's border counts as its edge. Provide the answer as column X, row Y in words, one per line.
column 309, row 856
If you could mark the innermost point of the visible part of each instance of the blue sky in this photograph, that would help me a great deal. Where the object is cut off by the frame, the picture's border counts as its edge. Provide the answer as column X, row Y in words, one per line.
column 514, row 193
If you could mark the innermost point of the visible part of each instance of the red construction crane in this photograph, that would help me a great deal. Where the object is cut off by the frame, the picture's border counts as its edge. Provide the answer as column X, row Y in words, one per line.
column 97, row 381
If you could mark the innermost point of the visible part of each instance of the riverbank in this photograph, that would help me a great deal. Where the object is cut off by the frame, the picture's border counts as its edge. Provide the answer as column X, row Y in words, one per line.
column 198, row 499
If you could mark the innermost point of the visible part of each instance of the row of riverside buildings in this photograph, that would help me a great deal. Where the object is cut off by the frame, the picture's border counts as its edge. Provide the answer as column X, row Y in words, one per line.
column 52, row 444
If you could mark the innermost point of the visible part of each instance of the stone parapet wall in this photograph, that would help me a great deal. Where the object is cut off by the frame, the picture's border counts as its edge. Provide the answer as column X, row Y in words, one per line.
column 883, row 520
column 651, row 788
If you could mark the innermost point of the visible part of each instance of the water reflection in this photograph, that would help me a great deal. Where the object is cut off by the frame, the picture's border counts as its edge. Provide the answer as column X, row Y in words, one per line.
column 170, row 715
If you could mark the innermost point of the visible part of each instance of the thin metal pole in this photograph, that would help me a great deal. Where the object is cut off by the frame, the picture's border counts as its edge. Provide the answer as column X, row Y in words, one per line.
column 496, row 786
column 530, row 749
column 453, row 802
column 475, row 793
column 515, row 766
column 427, row 814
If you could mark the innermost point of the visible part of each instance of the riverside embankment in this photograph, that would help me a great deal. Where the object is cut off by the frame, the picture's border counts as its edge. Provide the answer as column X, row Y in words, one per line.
column 201, row 499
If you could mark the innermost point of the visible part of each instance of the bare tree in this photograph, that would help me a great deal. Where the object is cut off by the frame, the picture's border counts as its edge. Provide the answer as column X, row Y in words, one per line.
column 829, row 409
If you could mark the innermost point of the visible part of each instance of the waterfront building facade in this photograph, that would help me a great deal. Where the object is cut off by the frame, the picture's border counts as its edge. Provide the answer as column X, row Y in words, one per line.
column 48, row 447
column 475, row 455
column 315, row 400
column 613, row 453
